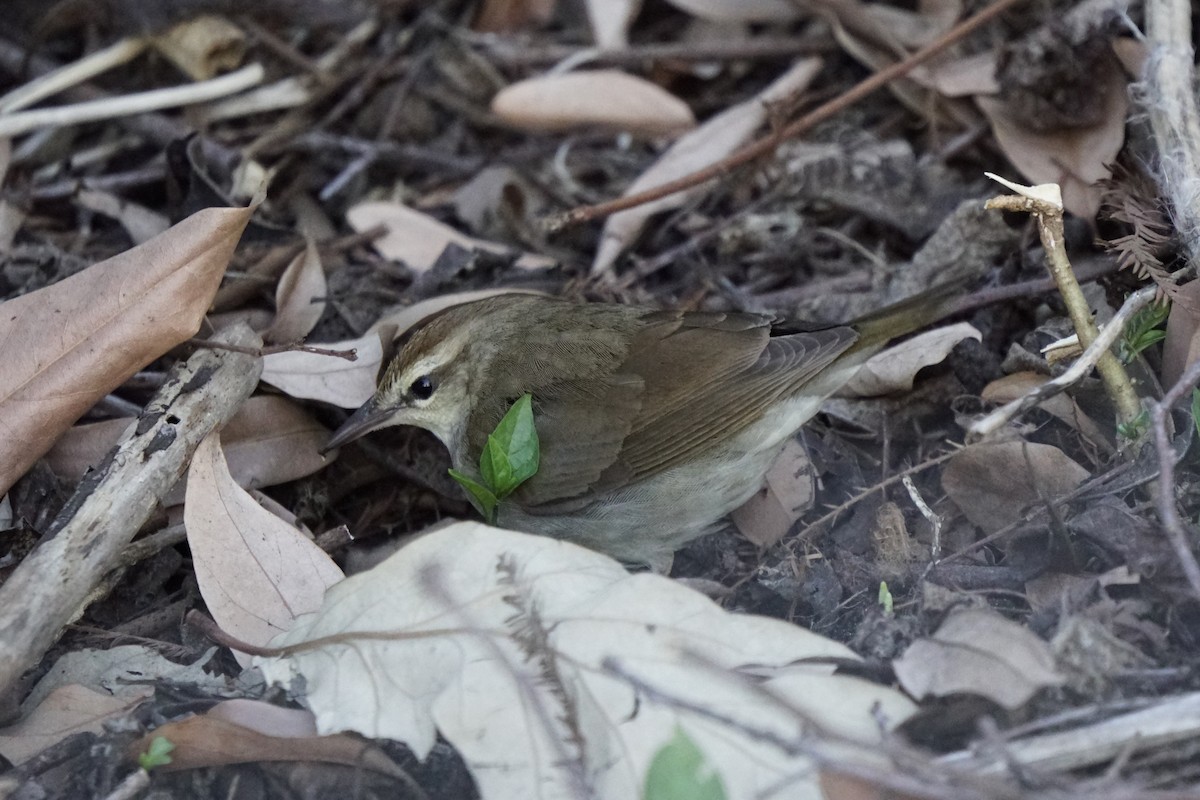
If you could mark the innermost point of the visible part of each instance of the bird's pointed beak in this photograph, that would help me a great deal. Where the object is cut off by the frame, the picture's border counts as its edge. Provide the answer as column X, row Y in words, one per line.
column 368, row 417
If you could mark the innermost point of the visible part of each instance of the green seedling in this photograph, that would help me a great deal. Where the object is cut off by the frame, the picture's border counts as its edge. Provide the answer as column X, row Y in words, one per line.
column 157, row 755
column 679, row 771
column 509, row 458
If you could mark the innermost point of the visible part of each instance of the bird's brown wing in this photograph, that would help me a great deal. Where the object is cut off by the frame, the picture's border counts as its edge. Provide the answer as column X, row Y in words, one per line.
column 706, row 401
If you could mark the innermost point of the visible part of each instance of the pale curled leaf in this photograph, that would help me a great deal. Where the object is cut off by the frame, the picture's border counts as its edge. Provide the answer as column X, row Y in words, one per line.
column 108, row 322
column 605, row 99
column 977, row 651
column 330, row 379
column 256, row 572
column 742, row 10
column 299, row 298
column 417, row 239
column 895, row 369
column 523, row 719
column 270, row 440
column 695, row 150
column 610, row 20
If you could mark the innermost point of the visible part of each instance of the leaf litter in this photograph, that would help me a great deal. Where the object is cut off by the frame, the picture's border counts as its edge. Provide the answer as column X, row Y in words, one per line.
column 1030, row 578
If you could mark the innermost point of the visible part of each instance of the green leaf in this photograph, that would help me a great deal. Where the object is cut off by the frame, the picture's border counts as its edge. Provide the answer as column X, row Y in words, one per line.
column 885, row 598
column 512, row 452
column 157, row 755
column 1135, row 428
column 679, row 771
column 483, row 497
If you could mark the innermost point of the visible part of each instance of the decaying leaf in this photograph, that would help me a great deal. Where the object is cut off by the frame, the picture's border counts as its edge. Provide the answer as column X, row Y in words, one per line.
column 503, row 16
column 789, row 491
column 977, row 651
column 329, row 379
column 256, row 572
column 894, row 369
column 607, row 99
column 1019, row 384
column 495, row 620
column 108, row 322
column 993, row 483
column 707, row 144
column 1181, row 348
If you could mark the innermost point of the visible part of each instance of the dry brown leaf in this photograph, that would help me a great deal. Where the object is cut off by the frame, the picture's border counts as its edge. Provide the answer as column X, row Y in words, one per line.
column 418, row 239
column 1019, row 384
column 1074, row 158
column 66, row 711
column 742, row 10
column 707, row 144
column 992, row 483
column 789, row 491
column 68, row 345
column 244, row 731
column 894, row 369
column 256, row 573
column 977, row 651
column 299, row 298
column 610, row 21
column 329, row 379
column 607, row 99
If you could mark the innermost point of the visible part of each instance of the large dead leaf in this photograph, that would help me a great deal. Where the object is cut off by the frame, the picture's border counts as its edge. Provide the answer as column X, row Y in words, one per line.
column 256, row 572
column 993, row 483
column 606, row 99
column 977, row 651
column 67, row 710
column 1182, row 345
column 269, row 441
column 68, row 345
column 506, row 644
column 315, row 376
column 707, row 144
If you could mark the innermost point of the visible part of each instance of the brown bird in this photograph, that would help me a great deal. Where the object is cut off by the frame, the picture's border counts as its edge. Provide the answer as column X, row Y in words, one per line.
column 653, row 424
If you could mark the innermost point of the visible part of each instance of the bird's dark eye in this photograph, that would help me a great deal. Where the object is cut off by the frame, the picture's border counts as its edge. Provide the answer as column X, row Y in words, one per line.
column 422, row 388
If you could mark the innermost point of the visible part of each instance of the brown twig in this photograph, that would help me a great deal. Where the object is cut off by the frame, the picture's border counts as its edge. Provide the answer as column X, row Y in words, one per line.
column 768, row 144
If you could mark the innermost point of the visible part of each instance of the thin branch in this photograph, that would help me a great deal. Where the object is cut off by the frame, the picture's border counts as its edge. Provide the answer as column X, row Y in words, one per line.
column 1168, row 511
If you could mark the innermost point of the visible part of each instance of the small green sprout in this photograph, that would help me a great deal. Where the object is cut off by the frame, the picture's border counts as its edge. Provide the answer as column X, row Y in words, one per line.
column 1135, row 428
column 885, row 598
column 1143, row 331
column 157, row 755
column 679, row 771
column 1196, row 409
column 509, row 458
